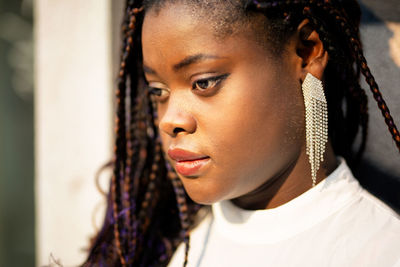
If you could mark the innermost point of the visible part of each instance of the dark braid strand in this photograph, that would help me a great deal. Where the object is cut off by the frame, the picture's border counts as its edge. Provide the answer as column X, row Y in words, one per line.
column 183, row 210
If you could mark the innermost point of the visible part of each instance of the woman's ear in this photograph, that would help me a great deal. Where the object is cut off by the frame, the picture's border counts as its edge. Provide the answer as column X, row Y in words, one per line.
column 311, row 51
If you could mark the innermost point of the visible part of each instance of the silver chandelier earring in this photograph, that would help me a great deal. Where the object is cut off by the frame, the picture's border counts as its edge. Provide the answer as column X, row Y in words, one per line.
column 316, row 122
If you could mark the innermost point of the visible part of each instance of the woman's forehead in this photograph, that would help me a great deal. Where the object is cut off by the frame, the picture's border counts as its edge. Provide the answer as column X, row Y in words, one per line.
column 174, row 34
column 223, row 16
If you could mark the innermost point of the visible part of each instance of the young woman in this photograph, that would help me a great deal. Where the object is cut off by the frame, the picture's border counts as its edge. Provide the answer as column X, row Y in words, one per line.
column 235, row 121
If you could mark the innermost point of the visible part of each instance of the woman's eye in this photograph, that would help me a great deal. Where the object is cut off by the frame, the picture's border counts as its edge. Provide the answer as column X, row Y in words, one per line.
column 158, row 94
column 204, row 84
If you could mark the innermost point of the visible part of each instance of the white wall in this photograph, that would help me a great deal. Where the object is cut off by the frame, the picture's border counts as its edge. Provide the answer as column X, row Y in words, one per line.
column 73, row 122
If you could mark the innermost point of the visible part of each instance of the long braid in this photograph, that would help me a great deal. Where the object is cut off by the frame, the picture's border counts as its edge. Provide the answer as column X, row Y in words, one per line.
column 151, row 196
column 119, row 152
column 123, row 154
column 131, row 145
column 131, row 182
column 183, row 210
column 376, row 92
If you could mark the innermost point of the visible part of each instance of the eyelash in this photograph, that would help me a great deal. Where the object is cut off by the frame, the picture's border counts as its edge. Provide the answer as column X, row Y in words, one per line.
column 156, row 94
column 216, row 80
column 211, row 81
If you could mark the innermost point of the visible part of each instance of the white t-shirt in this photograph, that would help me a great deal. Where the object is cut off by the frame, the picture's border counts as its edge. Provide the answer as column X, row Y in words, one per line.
column 336, row 223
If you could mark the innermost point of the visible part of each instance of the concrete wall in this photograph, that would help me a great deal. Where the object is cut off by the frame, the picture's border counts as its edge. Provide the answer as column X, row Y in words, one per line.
column 73, row 123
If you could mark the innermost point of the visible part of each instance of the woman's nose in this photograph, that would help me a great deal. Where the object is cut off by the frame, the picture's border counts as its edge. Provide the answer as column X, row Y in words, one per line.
column 177, row 119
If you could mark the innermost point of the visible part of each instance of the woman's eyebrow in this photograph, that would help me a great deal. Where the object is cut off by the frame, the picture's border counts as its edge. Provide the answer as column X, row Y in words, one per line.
column 149, row 70
column 184, row 62
column 193, row 59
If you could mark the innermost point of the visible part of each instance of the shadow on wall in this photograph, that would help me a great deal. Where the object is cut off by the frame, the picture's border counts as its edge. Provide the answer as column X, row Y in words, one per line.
column 379, row 172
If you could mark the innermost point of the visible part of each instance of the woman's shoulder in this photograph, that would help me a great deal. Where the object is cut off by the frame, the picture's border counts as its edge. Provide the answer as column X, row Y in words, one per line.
column 371, row 230
column 365, row 212
column 369, row 206
column 381, row 208
column 374, row 216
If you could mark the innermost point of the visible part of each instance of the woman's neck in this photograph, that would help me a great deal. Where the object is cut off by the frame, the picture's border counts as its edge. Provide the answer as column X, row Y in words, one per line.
column 289, row 184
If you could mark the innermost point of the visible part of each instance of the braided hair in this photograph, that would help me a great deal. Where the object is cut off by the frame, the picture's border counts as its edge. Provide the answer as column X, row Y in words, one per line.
column 149, row 213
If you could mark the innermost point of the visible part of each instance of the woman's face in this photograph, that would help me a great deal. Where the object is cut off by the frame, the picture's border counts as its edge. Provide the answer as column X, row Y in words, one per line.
column 230, row 113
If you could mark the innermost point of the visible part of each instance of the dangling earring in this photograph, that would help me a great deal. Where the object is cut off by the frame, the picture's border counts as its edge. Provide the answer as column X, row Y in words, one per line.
column 316, row 122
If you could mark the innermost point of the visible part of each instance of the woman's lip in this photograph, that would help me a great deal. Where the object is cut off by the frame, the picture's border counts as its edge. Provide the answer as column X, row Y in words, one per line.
column 179, row 155
column 187, row 163
column 190, row 167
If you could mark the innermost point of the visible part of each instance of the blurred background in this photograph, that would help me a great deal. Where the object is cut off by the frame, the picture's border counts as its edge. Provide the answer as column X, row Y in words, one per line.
column 16, row 134
column 57, row 65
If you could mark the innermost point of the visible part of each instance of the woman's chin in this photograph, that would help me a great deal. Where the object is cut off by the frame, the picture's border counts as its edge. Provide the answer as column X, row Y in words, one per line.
column 203, row 196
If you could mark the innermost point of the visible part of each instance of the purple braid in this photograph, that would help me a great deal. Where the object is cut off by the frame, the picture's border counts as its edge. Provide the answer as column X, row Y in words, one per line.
column 183, row 209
